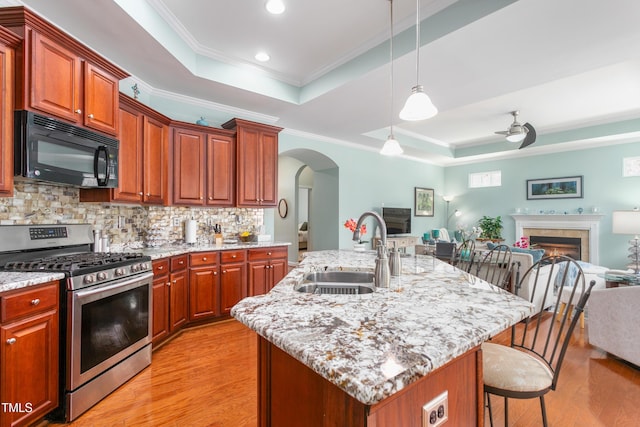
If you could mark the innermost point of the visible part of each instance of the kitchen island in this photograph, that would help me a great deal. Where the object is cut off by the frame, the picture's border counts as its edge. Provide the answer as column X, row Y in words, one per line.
column 375, row 359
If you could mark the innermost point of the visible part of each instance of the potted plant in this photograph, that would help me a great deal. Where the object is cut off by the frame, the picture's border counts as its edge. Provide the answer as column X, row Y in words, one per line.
column 491, row 228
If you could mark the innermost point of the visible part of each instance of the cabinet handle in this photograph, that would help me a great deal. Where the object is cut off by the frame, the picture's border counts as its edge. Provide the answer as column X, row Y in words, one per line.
column 269, row 253
column 78, row 111
column 175, row 281
column 90, row 116
column 35, row 301
column 233, row 256
column 141, row 194
column 148, row 194
column 215, row 273
column 204, row 258
column 161, row 267
column 11, row 341
column 210, row 198
column 201, row 198
column 180, row 262
column 224, row 271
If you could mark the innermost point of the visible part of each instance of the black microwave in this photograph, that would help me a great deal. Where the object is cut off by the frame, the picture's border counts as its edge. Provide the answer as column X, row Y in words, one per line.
column 51, row 150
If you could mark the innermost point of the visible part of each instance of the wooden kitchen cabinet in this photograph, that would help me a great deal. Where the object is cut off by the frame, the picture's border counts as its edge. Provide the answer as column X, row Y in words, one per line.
column 143, row 169
column 178, row 293
column 204, row 286
column 203, row 166
column 8, row 43
column 161, row 286
column 256, row 163
column 267, row 266
column 29, row 353
column 233, row 279
column 61, row 77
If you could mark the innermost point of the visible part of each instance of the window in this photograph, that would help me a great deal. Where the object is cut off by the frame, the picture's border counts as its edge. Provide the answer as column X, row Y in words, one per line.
column 631, row 166
column 485, row 179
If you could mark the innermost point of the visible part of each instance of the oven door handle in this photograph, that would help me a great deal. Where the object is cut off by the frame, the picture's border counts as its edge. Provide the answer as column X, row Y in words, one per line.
column 86, row 293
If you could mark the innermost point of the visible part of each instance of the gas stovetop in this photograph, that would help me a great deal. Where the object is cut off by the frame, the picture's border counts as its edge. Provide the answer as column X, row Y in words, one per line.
column 65, row 248
column 76, row 264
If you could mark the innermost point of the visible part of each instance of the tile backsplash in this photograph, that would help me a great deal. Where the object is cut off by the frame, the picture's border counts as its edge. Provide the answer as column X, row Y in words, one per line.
column 126, row 225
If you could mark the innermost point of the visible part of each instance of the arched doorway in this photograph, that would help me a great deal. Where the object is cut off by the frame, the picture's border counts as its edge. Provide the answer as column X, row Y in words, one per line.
column 307, row 172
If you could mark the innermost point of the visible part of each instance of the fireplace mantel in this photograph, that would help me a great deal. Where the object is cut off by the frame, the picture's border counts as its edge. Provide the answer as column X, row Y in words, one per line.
column 589, row 222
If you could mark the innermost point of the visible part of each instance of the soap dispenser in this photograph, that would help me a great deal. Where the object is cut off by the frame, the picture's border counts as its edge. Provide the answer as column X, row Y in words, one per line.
column 395, row 264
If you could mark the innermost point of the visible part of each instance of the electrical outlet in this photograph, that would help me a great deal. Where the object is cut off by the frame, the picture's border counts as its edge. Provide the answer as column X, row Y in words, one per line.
column 176, row 222
column 436, row 412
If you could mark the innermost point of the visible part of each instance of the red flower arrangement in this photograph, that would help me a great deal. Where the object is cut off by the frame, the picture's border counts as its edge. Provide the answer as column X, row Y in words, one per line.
column 522, row 243
column 351, row 224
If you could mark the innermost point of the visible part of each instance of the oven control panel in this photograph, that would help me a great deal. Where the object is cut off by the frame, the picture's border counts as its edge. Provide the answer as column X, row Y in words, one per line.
column 39, row 233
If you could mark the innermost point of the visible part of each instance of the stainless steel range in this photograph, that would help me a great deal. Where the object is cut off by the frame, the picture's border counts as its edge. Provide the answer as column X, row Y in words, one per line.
column 106, row 307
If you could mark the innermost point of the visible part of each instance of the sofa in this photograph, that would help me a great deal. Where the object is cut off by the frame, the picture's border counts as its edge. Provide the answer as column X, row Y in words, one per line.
column 613, row 319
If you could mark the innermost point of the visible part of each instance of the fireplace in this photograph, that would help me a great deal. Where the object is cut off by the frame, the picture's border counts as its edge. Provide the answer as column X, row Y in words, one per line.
column 553, row 245
column 580, row 231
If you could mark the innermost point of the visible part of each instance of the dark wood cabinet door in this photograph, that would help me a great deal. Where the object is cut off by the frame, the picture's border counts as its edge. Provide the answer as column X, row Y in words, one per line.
column 130, row 158
column 269, row 169
column 6, row 118
column 55, row 79
column 100, row 100
column 221, row 171
column 155, row 152
column 178, row 302
column 279, row 269
column 258, row 283
column 29, row 367
column 249, row 167
column 232, row 286
column 188, row 167
column 160, row 329
column 203, row 293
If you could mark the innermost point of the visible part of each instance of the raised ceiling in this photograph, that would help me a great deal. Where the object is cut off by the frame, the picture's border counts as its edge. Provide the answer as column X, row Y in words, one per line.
column 571, row 67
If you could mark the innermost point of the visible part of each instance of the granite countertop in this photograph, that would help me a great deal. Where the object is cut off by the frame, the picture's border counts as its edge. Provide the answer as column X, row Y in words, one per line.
column 373, row 345
column 10, row 280
column 168, row 251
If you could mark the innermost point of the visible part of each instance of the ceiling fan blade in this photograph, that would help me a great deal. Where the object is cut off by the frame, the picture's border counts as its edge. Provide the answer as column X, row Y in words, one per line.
column 530, row 138
column 503, row 132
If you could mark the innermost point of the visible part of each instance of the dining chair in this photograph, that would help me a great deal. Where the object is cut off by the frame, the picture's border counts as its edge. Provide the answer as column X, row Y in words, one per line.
column 446, row 251
column 465, row 255
column 495, row 266
column 529, row 367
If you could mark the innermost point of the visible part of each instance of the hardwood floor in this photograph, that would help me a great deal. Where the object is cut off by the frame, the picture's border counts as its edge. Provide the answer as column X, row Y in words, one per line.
column 207, row 377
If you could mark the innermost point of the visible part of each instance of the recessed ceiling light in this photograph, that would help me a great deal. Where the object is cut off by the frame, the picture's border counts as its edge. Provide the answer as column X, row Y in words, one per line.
column 274, row 6
column 262, row 56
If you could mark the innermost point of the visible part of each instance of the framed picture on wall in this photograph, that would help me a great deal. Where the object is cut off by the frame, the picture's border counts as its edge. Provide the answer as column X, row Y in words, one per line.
column 423, row 201
column 568, row 187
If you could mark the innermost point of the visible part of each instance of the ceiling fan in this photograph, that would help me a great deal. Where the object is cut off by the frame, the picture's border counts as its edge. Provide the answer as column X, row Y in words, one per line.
column 517, row 132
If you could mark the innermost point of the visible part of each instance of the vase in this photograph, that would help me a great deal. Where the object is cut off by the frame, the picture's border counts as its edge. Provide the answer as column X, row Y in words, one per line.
column 360, row 247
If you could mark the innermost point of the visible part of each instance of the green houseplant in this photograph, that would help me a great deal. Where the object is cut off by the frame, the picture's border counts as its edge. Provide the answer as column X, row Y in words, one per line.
column 491, row 228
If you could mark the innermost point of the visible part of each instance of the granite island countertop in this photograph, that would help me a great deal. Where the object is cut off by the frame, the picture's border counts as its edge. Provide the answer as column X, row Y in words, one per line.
column 373, row 345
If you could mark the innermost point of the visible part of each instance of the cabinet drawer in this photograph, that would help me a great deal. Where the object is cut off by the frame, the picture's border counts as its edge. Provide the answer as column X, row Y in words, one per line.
column 178, row 262
column 28, row 301
column 160, row 267
column 232, row 256
column 267, row 253
column 203, row 258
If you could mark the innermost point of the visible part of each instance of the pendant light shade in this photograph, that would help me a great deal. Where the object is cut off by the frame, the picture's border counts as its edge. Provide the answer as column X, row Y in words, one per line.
column 418, row 105
column 391, row 146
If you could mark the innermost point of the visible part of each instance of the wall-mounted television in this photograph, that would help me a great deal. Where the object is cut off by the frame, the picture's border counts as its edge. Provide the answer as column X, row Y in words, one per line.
column 398, row 220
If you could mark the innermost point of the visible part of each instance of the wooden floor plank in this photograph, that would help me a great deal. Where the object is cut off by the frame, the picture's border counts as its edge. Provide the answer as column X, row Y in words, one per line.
column 206, row 377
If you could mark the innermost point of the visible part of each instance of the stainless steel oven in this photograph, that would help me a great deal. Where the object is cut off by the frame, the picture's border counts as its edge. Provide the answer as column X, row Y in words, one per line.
column 105, row 308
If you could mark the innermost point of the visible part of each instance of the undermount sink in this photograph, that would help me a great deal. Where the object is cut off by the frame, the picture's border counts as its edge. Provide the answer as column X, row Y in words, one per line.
column 338, row 283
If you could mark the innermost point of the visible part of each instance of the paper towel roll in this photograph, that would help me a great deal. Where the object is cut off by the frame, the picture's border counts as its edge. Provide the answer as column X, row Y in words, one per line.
column 190, row 231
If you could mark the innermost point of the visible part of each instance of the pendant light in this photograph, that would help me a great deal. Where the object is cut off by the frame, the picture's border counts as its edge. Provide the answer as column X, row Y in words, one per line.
column 391, row 146
column 418, row 105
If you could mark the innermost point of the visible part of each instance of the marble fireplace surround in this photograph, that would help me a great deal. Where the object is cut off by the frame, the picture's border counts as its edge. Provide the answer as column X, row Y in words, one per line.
column 584, row 226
